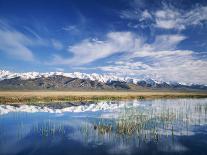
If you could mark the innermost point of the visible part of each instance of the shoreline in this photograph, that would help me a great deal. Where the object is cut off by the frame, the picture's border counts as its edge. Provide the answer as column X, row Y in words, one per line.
column 31, row 97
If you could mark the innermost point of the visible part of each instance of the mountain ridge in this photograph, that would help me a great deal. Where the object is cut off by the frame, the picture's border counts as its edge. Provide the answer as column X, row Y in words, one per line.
column 83, row 81
column 4, row 74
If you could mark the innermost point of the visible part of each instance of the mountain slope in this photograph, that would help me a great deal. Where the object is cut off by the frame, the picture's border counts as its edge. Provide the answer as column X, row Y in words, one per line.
column 82, row 81
column 59, row 82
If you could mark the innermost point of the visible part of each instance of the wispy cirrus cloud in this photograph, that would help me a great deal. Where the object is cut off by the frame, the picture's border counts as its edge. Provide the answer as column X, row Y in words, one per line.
column 163, row 63
column 90, row 50
column 128, row 43
column 16, row 44
column 167, row 17
column 159, row 59
column 171, row 18
column 175, row 65
column 21, row 45
column 162, row 59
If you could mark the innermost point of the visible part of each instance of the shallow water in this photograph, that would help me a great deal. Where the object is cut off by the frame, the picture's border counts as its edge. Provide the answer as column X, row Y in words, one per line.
column 176, row 126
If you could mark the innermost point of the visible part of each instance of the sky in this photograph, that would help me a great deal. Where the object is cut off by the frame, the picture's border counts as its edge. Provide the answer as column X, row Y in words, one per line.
column 165, row 40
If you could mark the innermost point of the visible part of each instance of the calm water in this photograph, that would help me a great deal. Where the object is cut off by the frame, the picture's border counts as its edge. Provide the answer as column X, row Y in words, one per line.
column 131, row 127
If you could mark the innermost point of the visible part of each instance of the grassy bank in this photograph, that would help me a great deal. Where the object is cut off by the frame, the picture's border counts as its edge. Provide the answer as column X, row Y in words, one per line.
column 59, row 96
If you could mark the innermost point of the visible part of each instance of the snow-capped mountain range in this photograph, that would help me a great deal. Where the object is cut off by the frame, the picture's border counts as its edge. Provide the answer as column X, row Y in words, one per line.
column 104, row 78
column 94, row 76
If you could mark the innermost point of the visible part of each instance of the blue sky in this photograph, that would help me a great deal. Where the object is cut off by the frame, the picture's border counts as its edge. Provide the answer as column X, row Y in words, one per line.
column 163, row 40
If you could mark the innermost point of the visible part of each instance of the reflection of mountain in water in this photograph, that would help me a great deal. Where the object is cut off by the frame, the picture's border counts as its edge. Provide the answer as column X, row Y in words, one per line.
column 124, row 128
column 161, row 121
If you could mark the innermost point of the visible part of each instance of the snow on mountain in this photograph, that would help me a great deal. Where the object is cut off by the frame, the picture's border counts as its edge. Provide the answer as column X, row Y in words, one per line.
column 94, row 76
column 32, row 75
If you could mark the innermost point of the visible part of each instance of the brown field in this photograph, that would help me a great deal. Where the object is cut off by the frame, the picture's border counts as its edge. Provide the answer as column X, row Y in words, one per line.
column 64, row 96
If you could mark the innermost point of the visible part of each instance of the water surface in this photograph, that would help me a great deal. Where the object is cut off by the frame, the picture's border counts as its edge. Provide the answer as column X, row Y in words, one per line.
column 177, row 126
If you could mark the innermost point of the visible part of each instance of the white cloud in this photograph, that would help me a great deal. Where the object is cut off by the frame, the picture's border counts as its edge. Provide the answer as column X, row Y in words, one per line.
column 90, row 50
column 160, row 59
column 196, row 16
column 168, row 67
column 169, row 18
column 16, row 44
column 174, row 65
column 128, row 14
column 161, row 43
column 128, row 43
column 167, row 42
column 145, row 15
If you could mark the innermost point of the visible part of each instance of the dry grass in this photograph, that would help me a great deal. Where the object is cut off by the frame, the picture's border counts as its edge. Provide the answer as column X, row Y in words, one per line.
column 62, row 96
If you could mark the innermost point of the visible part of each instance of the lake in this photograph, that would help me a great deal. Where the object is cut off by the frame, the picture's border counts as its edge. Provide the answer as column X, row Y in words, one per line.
column 161, row 126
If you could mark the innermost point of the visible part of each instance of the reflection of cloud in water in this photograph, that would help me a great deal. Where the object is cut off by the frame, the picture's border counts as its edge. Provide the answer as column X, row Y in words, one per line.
column 122, row 127
column 159, row 121
column 10, row 140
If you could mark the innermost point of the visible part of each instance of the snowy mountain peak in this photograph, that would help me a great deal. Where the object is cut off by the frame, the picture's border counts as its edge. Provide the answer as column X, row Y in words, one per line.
column 4, row 74
column 32, row 75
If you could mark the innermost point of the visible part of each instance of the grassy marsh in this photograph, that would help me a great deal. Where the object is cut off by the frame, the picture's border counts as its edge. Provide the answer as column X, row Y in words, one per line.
column 8, row 97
